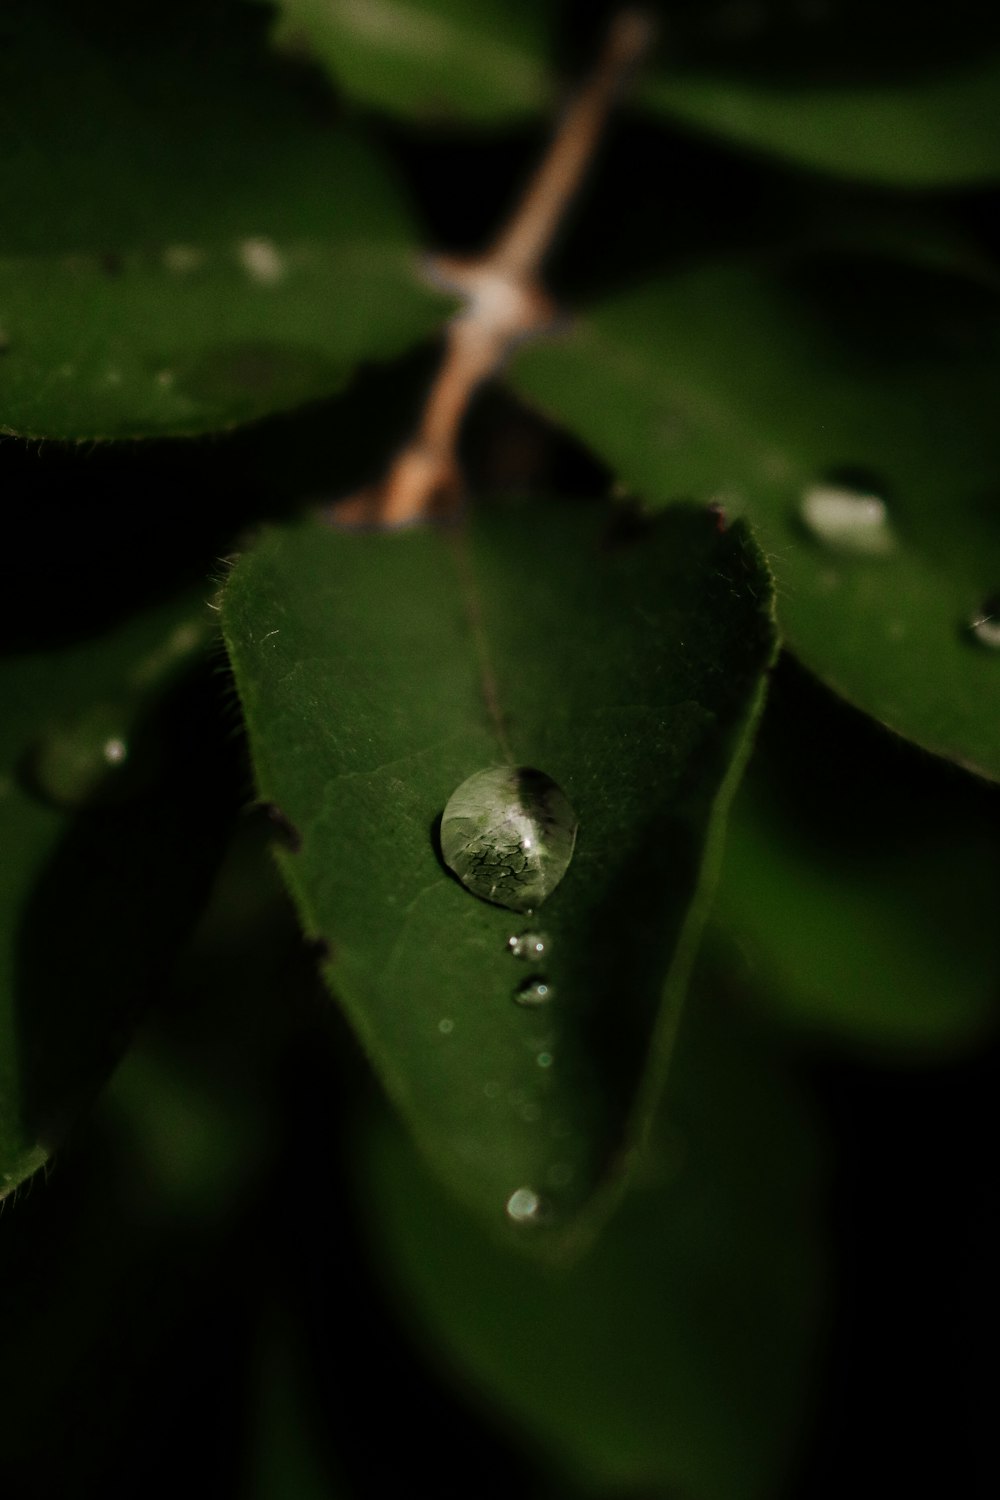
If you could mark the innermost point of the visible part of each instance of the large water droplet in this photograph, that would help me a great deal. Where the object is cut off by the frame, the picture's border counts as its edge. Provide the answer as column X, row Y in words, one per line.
column 535, row 991
column 985, row 626
column 528, row 945
column 848, row 520
column 524, row 1206
column 508, row 834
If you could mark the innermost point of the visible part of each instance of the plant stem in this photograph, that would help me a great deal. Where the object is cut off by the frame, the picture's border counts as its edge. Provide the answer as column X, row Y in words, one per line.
column 505, row 302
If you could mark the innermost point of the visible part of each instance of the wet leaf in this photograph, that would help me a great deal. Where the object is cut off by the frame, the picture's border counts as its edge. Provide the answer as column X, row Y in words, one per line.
column 427, row 59
column 177, row 277
column 781, row 394
column 109, row 841
column 674, row 1358
column 377, row 672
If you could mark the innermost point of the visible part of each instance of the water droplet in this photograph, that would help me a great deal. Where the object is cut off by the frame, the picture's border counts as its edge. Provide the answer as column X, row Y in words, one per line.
column 529, row 945
column 534, row 991
column 86, row 759
column 524, row 1206
column 261, row 260
column 530, row 1113
column 849, row 520
column 508, row 834
column 985, row 626
column 544, row 1059
column 446, row 1026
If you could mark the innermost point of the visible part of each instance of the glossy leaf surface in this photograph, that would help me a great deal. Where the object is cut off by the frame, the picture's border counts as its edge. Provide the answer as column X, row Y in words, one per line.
column 377, row 673
column 754, row 388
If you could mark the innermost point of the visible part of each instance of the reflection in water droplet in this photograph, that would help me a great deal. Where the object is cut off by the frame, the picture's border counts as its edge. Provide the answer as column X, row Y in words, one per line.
column 528, row 945
column 544, row 1059
column 849, row 520
column 508, row 834
column 985, row 627
column 446, row 1026
column 524, row 1206
column 534, row 991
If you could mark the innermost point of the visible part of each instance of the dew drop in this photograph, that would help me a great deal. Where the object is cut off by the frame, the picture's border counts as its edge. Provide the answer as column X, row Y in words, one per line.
column 524, row 1206
column 85, row 759
column 985, row 626
column 544, row 1059
column 534, row 991
column 531, row 946
column 446, row 1026
column 848, row 520
column 508, row 834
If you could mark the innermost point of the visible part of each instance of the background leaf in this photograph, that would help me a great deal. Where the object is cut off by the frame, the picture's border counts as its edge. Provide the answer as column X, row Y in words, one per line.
column 895, row 94
column 110, row 834
column 675, row 1358
column 367, row 664
column 859, row 883
column 753, row 386
column 428, row 59
column 174, row 280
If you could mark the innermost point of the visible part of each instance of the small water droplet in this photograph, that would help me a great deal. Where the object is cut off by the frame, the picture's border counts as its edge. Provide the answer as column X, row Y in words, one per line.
column 524, row 1206
column 261, row 260
column 848, row 520
column 534, row 991
column 508, row 834
column 985, row 626
column 446, row 1026
column 544, row 1059
column 86, row 759
column 529, row 945
column 530, row 1113
column 492, row 1089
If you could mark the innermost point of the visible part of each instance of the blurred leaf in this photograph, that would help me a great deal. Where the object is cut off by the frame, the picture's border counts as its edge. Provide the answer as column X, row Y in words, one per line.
column 479, row 61
column 919, row 133
column 677, row 1354
column 850, row 916
column 377, row 673
column 188, row 240
column 110, row 810
column 288, row 1461
column 756, row 389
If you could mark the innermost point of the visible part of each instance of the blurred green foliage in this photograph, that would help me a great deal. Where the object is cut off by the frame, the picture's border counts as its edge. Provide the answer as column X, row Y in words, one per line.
column 220, row 1251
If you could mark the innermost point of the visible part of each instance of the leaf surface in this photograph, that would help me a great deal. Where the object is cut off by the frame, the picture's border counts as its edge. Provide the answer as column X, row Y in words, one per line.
column 676, row 1357
column 188, row 241
column 427, row 59
column 109, row 825
column 753, row 388
column 377, row 673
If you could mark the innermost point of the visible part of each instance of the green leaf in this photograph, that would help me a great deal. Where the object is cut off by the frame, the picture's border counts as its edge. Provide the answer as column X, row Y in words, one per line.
column 188, row 242
column 109, row 815
column 478, row 61
column 753, row 388
column 844, row 913
column 675, row 1358
column 917, row 132
column 377, row 673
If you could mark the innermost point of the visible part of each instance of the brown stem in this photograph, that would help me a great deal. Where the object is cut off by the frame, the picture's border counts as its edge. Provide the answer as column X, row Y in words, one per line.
column 505, row 302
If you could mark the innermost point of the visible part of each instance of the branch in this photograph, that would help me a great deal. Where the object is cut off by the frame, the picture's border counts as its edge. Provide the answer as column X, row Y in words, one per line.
column 505, row 302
